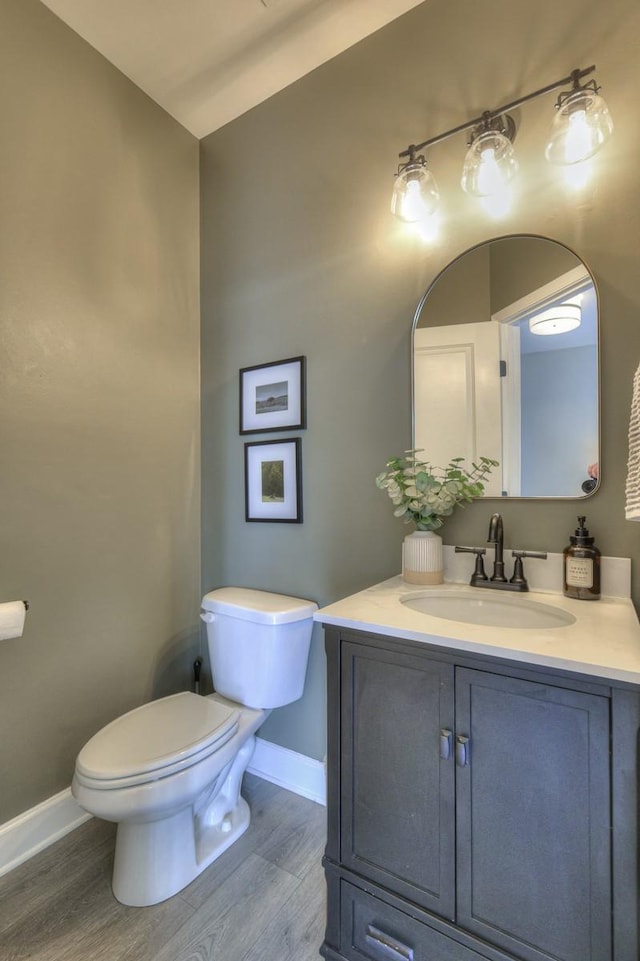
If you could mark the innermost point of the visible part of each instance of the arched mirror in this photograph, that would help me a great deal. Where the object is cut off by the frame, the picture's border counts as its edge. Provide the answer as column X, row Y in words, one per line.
column 505, row 365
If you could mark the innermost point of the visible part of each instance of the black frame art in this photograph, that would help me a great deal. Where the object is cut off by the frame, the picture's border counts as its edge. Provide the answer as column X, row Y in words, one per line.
column 273, row 481
column 273, row 396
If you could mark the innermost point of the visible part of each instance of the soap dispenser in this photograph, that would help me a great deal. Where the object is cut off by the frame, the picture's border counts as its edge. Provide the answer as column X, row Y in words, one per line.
column 582, row 566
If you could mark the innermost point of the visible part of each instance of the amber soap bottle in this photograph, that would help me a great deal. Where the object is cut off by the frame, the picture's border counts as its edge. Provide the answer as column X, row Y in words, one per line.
column 582, row 566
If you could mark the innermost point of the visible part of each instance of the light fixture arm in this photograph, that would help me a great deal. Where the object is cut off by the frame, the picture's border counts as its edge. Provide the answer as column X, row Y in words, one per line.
column 488, row 115
column 501, row 123
column 576, row 76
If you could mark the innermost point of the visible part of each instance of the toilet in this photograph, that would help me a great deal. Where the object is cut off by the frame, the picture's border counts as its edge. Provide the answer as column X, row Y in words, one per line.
column 169, row 773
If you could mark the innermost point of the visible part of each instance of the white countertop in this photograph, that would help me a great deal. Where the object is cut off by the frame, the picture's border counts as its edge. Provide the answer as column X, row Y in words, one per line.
column 603, row 642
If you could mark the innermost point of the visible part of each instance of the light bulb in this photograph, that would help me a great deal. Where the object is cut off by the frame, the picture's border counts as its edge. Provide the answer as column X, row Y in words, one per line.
column 490, row 180
column 415, row 193
column 578, row 142
column 581, row 126
column 428, row 229
column 489, row 164
column 576, row 176
column 498, row 204
column 413, row 206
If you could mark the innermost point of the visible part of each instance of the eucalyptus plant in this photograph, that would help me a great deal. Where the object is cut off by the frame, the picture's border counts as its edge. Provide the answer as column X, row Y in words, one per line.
column 426, row 494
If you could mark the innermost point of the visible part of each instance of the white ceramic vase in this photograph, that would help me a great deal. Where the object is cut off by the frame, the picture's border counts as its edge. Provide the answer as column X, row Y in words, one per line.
column 422, row 558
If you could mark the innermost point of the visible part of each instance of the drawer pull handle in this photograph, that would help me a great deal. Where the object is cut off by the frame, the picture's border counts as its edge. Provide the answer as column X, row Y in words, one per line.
column 446, row 738
column 388, row 946
column 462, row 750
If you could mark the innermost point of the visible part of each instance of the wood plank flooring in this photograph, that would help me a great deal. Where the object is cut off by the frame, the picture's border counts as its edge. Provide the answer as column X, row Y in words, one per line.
column 263, row 900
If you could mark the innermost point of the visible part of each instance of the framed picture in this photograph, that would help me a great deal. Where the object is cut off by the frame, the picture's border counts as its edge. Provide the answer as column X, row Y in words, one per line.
column 272, row 396
column 273, row 481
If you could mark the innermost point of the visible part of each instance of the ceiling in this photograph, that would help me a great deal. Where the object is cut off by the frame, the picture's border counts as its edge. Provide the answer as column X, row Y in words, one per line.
column 208, row 61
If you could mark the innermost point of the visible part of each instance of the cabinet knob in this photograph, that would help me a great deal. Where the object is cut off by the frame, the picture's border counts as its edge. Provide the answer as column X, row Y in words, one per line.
column 462, row 750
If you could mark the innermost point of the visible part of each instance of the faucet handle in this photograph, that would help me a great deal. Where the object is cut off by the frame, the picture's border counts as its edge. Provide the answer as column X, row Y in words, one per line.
column 542, row 555
column 518, row 570
column 479, row 571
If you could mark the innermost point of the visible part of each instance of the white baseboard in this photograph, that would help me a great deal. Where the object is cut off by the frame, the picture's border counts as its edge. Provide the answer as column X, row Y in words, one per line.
column 296, row 772
column 37, row 828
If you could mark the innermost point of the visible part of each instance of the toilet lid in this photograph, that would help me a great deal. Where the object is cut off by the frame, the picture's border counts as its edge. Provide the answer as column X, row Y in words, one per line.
column 157, row 735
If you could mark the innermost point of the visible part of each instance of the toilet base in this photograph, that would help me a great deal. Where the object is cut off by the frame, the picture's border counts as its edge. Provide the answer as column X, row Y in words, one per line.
column 156, row 859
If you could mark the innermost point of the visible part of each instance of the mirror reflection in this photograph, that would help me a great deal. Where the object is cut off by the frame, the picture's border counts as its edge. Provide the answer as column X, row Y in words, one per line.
column 505, row 365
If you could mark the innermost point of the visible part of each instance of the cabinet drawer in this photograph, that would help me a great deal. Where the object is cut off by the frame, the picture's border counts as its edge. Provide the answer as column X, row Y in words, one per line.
column 371, row 930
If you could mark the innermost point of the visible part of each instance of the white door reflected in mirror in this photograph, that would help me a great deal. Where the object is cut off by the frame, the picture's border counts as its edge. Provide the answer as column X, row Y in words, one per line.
column 489, row 379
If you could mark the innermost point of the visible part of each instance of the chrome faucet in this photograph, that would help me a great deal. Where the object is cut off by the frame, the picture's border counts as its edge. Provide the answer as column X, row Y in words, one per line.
column 496, row 536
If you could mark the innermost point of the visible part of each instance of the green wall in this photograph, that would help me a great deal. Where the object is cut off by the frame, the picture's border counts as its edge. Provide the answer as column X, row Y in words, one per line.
column 301, row 256
column 99, row 399
column 99, row 329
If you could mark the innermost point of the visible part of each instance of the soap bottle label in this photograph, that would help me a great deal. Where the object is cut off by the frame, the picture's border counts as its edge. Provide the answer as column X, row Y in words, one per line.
column 579, row 572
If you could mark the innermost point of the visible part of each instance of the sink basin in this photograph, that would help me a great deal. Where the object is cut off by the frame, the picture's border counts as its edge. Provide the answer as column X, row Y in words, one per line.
column 491, row 611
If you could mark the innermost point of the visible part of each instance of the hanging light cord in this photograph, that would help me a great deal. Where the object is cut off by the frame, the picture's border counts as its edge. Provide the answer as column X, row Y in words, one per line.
column 574, row 77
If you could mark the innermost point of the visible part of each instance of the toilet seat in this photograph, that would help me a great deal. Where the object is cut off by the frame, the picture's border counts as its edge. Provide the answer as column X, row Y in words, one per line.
column 155, row 740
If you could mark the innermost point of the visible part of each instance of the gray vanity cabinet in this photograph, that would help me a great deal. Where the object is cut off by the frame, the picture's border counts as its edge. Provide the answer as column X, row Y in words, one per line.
column 395, row 789
column 533, row 843
column 469, row 809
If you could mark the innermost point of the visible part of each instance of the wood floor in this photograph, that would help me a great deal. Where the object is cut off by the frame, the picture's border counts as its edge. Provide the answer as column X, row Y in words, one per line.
column 262, row 900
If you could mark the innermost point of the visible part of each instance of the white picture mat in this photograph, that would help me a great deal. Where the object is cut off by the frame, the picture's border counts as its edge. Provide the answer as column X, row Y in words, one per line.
column 272, row 420
column 269, row 510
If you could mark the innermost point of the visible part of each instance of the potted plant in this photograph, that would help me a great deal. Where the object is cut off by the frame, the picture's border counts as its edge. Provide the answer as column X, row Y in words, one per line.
column 426, row 495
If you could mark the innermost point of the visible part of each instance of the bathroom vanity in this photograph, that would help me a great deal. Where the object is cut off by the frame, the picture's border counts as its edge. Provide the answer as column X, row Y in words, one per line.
column 482, row 777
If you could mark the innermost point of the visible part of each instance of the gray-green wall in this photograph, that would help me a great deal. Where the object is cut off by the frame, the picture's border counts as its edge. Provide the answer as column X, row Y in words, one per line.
column 301, row 256
column 99, row 335
column 99, row 399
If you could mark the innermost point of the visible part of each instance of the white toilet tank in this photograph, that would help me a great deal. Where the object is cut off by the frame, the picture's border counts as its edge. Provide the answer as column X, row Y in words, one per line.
column 258, row 645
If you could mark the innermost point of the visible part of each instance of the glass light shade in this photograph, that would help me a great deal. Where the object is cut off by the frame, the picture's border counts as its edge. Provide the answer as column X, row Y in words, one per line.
column 415, row 193
column 581, row 126
column 489, row 165
column 556, row 320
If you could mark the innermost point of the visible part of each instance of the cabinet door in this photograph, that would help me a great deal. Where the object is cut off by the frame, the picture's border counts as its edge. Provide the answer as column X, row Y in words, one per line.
column 533, row 818
column 398, row 812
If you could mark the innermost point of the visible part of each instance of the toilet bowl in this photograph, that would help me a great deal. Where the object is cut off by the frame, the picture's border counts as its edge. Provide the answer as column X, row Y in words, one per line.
column 169, row 773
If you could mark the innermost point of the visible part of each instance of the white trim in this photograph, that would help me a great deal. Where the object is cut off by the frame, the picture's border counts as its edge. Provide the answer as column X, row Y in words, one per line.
column 511, row 410
column 43, row 825
column 296, row 772
column 565, row 285
column 571, row 282
column 37, row 828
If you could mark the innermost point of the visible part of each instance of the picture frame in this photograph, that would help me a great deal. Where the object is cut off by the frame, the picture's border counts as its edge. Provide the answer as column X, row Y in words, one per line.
column 273, row 396
column 273, row 481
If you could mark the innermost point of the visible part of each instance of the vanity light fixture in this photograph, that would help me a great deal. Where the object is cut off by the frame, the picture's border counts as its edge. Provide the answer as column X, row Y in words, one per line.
column 559, row 319
column 582, row 125
column 415, row 192
column 490, row 162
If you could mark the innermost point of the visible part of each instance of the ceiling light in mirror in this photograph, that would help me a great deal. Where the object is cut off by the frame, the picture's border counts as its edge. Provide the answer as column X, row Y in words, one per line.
column 559, row 319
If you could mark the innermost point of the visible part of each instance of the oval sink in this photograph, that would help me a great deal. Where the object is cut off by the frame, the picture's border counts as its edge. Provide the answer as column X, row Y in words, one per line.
column 491, row 611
